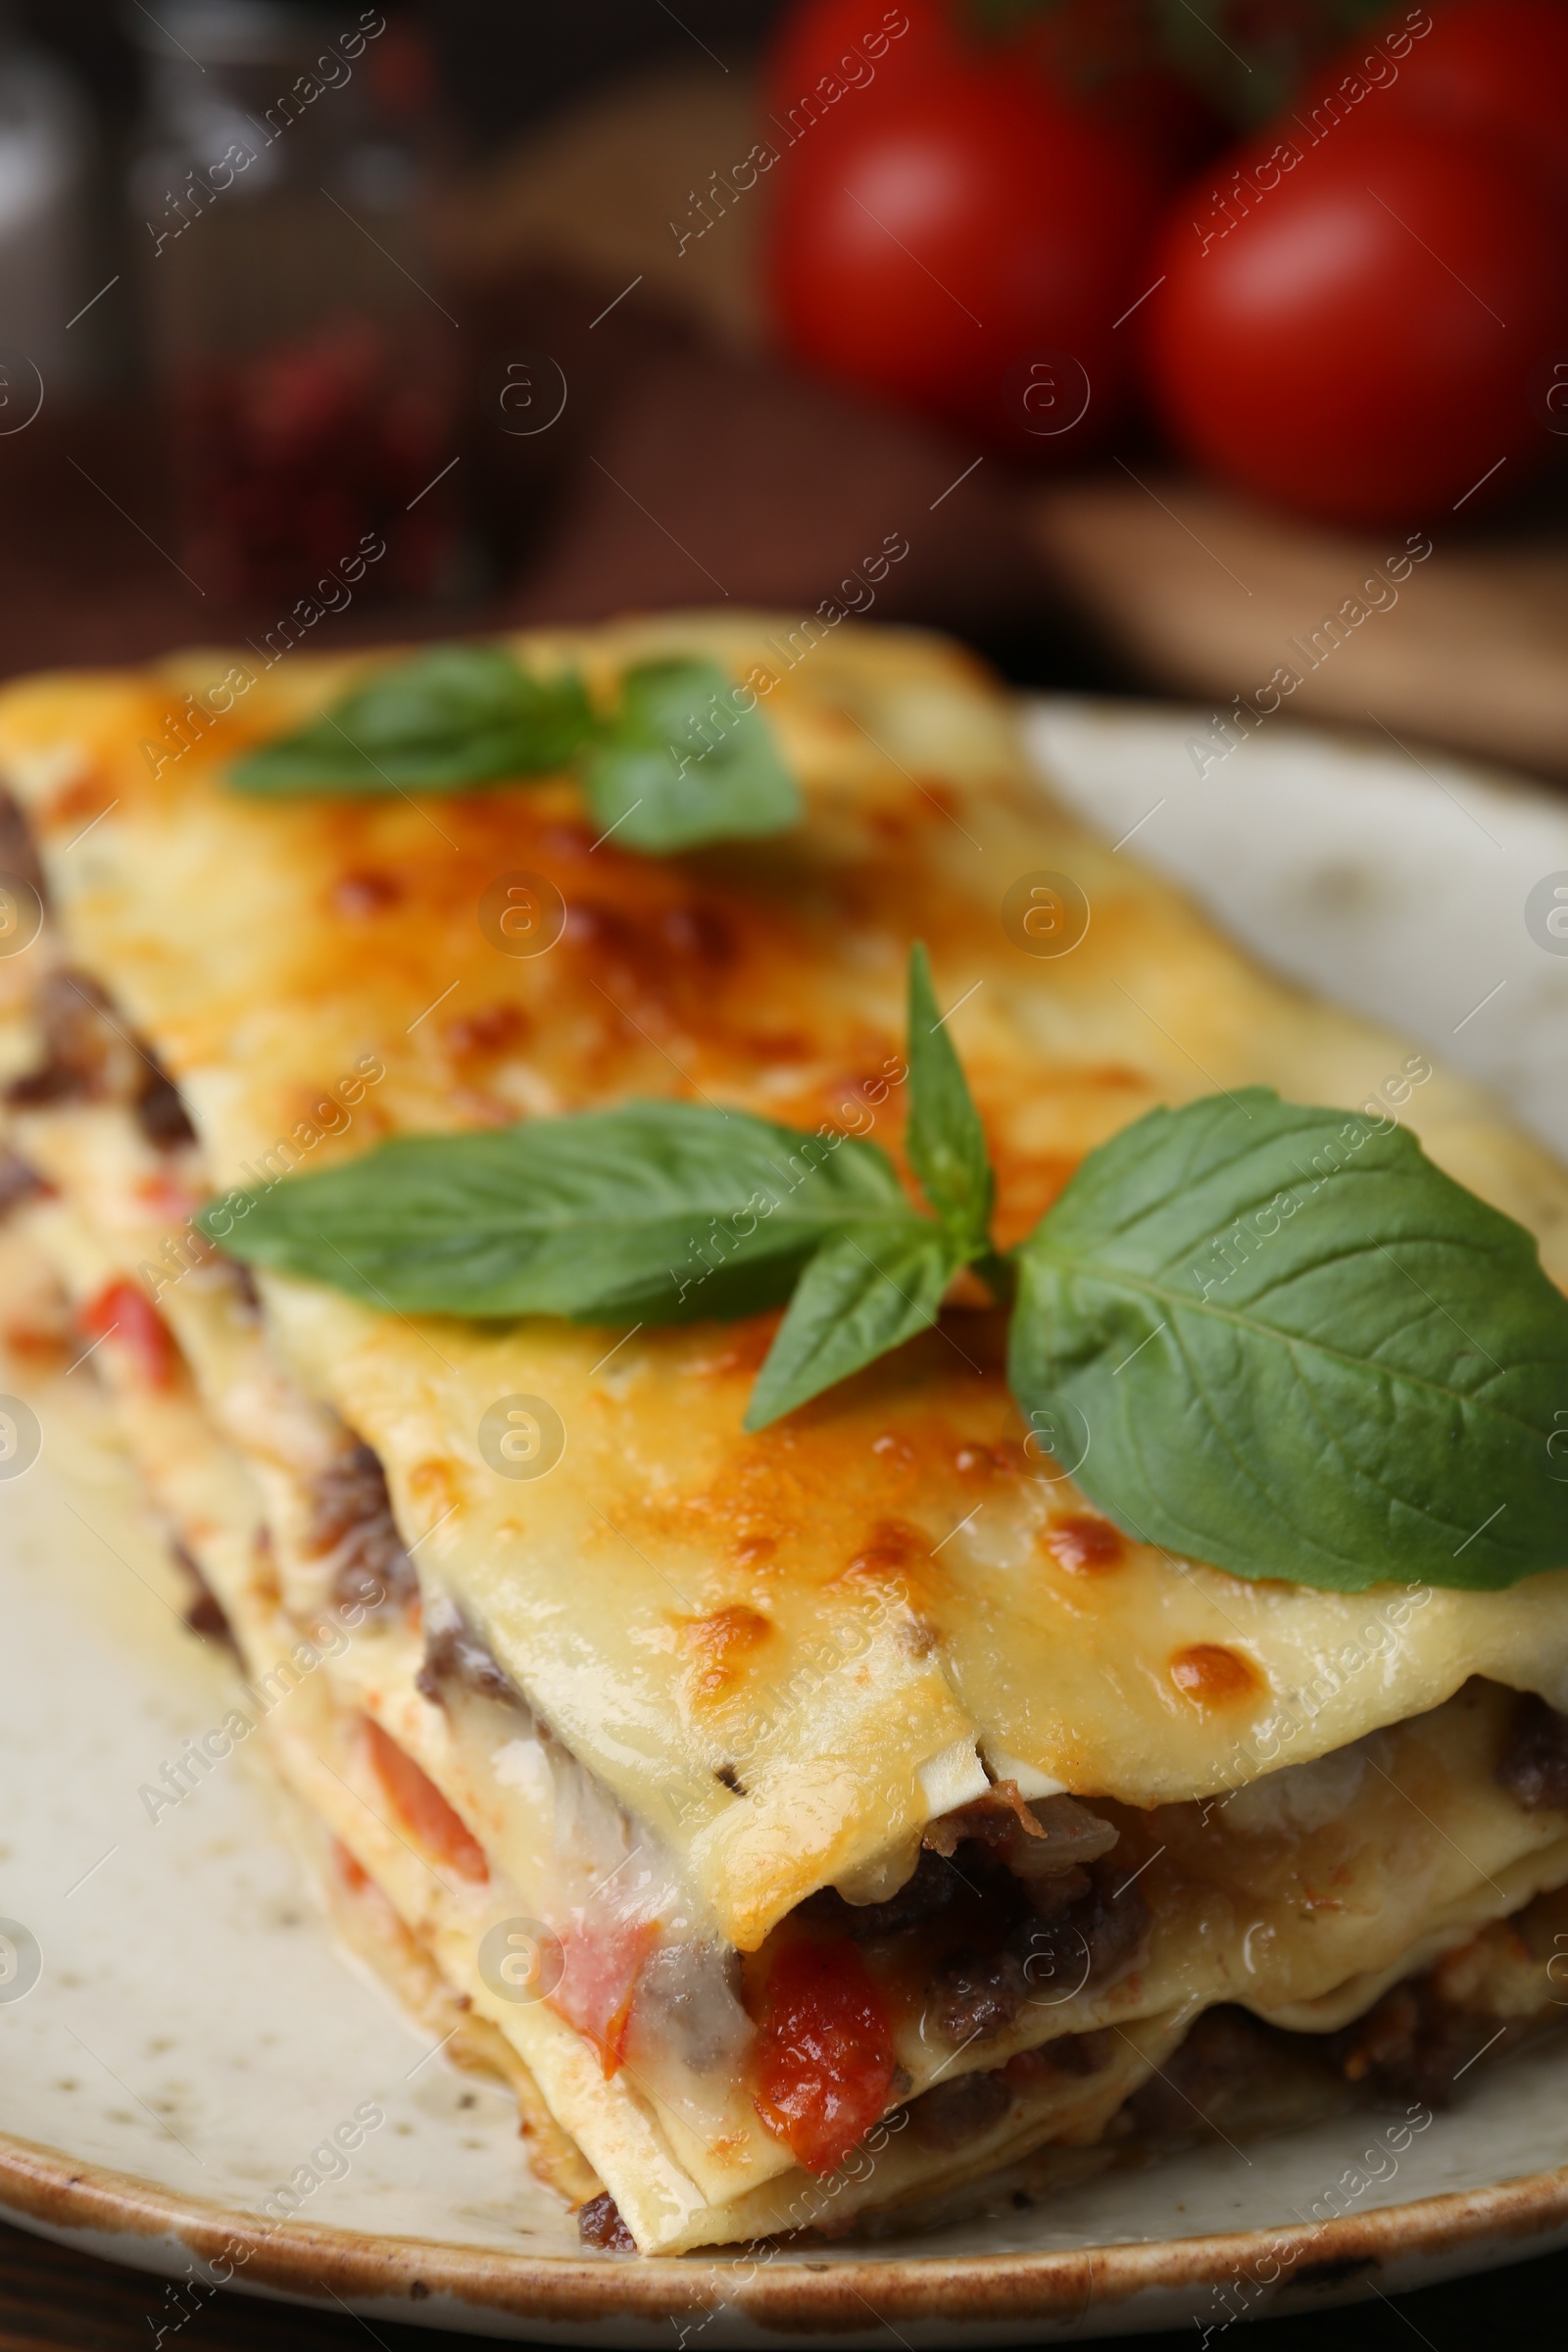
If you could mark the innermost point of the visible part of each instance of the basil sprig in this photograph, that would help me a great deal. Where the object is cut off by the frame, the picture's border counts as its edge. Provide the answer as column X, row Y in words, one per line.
column 1292, row 1347
column 1301, row 1350
column 456, row 716
column 868, row 1290
column 657, row 1213
column 683, row 764
column 679, row 762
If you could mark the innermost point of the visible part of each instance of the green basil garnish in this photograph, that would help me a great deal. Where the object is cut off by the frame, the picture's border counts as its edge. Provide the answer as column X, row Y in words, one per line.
column 683, row 764
column 944, row 1138
column 1301, row 1350
column 865, row 1293
column 458, row 716
column 680, row 762
column 1298, row 1349
column 870, row 1290
column 655, row 1212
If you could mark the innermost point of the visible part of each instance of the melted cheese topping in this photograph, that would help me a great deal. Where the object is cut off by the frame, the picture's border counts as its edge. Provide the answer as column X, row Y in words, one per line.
column 840, row 1614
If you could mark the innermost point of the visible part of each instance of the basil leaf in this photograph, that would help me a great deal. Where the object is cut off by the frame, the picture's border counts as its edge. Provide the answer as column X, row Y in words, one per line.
column 682, row 763
column 944, row 1138
column 1301, row 1350
column 869, row 1290
column 655, row 1212
column 459, row 715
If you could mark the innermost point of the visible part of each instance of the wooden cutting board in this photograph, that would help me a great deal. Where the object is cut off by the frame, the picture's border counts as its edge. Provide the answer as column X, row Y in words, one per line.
column 1204, row 593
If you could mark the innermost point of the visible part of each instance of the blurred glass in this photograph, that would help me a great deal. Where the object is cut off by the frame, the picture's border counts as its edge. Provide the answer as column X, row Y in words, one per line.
column 304, row 359
column 43, row 153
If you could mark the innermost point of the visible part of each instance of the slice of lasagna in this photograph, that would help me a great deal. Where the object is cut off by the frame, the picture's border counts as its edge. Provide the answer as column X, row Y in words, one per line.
column 819, row 1821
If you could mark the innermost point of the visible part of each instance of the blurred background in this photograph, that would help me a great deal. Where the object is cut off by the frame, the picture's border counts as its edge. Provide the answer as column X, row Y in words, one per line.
column 1217, row 351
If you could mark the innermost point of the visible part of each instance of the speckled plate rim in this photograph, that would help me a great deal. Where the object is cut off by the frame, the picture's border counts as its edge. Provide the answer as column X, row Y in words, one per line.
column 991, row 2298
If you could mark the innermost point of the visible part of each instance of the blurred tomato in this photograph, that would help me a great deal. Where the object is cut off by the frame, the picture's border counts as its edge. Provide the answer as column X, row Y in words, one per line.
column 1102, row 58
column 1497, row 66
column 855, row 41
column 1108, row 60
column 937, row 244
column 1165, row 121
column 1358, row 342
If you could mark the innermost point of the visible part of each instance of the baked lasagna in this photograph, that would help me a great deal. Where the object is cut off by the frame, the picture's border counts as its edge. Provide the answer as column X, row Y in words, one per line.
column 820, row 1824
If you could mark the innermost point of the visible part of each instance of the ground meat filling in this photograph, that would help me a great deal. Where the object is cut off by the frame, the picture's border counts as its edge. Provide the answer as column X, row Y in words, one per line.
column 18, row 1182
column 1019, row 1907
column 353, row 1518
column 1089, row 1935
column 18, row 856
column 1070, row 2054
column 1415, row 2045
column 86, row 1056
column 1094, row 1941
column 90, row 1055
column 1534, row 1766
column 599, row 2224
column 159, row 1113
column 953, row 2113
column 976, row 1998
column 936, row 1884
column 1012, row 1855
column 455, row 1652
column 1226, row 2050
column 204, row 1612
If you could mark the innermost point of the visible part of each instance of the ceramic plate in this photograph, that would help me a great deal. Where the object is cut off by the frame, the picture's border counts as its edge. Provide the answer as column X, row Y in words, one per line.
column 193, row 2034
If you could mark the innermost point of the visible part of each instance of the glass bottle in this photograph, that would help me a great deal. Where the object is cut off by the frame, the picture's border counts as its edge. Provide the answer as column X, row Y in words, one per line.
column 304, row 356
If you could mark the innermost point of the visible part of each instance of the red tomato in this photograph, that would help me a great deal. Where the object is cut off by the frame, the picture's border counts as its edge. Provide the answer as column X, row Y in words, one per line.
column 934, row 245
column 600, row 1968
column 1495, row 67
column 442, row 1832
column 856, row 42
column 1098, row 57
column 824, row 2061
column 349, row 1869
column 1358, row 343
column 124, row 1309
column 1107, row 60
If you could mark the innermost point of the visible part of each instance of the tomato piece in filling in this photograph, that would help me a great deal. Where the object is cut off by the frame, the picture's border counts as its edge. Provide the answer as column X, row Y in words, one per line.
column 599, row 1969
column 424, row 1810
column 124, row 1308
column 349, row 1869
column 824, row 2064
